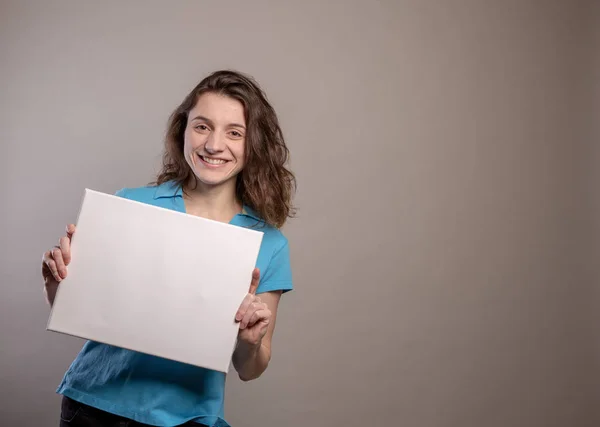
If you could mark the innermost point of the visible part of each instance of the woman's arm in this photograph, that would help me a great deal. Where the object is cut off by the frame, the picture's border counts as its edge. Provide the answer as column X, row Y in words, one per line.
column 257, row 324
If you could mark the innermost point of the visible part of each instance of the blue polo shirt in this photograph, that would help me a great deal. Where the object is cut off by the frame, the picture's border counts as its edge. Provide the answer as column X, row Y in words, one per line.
column 157, row 391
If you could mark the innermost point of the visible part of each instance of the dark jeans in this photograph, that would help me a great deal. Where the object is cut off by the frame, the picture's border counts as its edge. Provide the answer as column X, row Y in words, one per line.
column 75, row 414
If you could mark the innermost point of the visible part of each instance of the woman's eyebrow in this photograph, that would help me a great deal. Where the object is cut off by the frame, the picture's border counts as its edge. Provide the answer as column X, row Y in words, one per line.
column 205, row 119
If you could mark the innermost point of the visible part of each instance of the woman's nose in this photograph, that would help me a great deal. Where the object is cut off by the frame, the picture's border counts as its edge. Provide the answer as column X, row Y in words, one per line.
column 214, row 143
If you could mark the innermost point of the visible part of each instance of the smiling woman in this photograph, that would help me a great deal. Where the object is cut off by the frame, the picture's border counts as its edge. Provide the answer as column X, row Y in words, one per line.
column 225, row 160
column 227, row 117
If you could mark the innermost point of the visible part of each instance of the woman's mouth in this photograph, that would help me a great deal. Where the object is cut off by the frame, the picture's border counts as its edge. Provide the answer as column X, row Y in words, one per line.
column 210, row 161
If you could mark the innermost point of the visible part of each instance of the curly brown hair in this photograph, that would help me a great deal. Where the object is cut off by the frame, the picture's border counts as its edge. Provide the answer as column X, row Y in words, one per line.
column 265, row 184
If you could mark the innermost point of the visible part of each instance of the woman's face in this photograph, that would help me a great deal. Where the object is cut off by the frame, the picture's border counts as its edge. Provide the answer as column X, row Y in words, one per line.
column 215, row 139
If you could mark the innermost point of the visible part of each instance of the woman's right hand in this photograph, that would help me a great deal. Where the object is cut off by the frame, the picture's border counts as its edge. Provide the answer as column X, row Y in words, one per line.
column 55, row 262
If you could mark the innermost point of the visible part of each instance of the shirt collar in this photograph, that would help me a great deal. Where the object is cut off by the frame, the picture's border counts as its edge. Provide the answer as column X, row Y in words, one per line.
column 168, row 189
column 172, row 189
column 248, row 211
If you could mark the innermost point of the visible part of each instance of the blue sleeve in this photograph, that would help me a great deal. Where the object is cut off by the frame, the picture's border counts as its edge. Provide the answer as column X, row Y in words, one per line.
column 278, row 274
column 122, row 193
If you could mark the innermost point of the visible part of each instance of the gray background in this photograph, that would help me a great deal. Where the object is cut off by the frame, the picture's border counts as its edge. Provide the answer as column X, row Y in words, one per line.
column 445, row 253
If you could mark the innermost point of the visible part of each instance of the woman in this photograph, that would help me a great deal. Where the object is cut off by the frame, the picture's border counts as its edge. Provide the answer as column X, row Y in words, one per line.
column 225, row 160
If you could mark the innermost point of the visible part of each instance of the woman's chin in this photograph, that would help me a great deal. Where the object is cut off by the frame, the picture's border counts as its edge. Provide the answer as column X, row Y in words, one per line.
column 213, row 180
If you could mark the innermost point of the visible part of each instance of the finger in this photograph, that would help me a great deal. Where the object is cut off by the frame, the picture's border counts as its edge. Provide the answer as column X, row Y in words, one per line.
column 255, row 280
column 244, row 307
column 51, row 265
column 262, row 315
column 252, row 313
column 70, row 230
column 60, row 263
column 65, row 247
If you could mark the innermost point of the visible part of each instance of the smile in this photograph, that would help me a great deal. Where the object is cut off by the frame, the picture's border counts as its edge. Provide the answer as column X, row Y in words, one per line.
column 211, row 161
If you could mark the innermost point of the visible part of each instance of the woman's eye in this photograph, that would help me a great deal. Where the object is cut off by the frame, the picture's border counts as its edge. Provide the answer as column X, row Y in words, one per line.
column 236, row 133
column 201, row 127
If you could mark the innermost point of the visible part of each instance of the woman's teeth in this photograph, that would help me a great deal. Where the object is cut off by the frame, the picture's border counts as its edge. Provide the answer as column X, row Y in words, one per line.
column 213, row 161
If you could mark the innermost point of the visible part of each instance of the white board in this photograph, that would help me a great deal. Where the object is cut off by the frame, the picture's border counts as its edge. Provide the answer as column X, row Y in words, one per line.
column 155, row 281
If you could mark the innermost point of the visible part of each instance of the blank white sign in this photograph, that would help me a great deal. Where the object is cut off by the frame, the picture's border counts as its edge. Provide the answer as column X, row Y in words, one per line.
column 156, row 281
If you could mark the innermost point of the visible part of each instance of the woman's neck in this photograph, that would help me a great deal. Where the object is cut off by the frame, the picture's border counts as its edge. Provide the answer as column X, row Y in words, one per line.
column 217, row 203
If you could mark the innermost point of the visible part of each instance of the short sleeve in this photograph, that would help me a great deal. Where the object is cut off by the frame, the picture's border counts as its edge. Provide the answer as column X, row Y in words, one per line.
column 278, row 274
column 121, row 193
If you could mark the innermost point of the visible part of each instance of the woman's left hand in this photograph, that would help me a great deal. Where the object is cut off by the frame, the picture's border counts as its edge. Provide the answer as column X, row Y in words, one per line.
column 254, row 315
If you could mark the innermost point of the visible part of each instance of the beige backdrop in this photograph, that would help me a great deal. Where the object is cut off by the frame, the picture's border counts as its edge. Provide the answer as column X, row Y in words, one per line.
column 443, row 260
column 594, row 189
